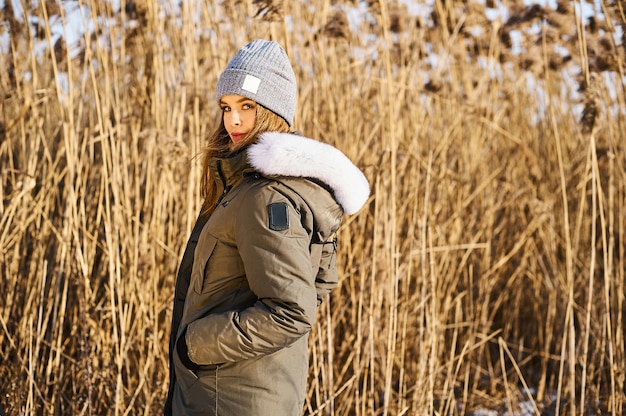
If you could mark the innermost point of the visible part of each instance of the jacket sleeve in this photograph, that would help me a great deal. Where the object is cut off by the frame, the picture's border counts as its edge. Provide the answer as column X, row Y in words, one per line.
column 326, row 271
column 278, row 269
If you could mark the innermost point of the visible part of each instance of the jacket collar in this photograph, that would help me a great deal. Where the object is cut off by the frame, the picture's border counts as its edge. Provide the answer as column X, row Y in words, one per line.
column 228, row 171
column 285, row 154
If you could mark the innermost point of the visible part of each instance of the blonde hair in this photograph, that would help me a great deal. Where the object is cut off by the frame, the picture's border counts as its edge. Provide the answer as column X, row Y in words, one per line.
column 220, row 145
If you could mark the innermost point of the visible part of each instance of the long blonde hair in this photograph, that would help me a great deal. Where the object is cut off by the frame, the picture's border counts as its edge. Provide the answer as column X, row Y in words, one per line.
column 220, row 145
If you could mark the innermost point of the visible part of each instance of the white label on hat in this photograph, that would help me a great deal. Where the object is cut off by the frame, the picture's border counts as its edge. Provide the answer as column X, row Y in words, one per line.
column 251, row 84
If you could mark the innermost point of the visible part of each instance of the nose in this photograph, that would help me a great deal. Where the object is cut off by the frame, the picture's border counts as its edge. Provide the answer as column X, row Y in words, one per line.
column 234, row 118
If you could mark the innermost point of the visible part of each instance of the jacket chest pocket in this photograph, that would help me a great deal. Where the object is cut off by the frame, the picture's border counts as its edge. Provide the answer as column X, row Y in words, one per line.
column 218, row 269
column 204, row 251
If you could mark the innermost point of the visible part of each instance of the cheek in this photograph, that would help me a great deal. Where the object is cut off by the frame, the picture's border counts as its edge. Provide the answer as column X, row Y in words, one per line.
column 251, row 120
column 227, row 123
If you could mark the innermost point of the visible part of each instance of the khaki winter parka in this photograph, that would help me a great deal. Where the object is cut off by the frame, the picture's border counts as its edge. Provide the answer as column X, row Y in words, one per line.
column 250, row 281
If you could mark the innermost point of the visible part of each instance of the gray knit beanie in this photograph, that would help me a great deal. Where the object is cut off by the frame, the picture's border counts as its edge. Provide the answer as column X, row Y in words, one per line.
column 261, row 71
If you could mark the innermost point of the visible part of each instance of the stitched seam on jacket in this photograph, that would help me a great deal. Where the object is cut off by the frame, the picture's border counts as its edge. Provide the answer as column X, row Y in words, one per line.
column 217, row 389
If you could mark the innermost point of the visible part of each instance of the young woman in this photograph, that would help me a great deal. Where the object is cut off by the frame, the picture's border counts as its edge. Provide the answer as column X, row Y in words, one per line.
column 261, row 257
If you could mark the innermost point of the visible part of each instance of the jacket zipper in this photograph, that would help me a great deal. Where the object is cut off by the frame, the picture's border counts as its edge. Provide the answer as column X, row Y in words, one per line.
column 220, row 171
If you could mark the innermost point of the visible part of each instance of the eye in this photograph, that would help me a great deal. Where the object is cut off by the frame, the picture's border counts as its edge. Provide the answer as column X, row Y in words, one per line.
column 247, row 106
column 225, row 108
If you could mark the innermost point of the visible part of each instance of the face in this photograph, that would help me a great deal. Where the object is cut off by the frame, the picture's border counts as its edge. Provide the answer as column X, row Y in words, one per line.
column 239, row 115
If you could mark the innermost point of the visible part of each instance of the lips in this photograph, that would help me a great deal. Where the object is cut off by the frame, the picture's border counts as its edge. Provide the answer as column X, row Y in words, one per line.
column 237, row 136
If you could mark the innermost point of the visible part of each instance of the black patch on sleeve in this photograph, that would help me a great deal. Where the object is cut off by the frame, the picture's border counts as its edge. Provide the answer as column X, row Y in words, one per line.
column 278, row 216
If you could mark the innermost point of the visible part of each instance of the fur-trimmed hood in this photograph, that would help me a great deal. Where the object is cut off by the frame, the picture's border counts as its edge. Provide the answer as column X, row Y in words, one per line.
column 285, row 154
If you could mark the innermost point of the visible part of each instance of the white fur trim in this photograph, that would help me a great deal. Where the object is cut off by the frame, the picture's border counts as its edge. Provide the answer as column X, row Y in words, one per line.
column 285, row 154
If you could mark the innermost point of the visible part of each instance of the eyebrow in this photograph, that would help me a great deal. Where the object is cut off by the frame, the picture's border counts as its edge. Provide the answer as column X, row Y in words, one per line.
column 242, row 99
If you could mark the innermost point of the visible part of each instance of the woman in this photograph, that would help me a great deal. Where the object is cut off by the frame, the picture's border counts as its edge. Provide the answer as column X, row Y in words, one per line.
column 261, row 257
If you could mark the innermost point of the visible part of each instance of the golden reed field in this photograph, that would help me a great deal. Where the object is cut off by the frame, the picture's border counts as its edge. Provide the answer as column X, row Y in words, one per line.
column 485, row 276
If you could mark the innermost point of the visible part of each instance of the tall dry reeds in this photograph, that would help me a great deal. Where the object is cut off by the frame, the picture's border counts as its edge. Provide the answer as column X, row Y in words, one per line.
column 486, row 271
